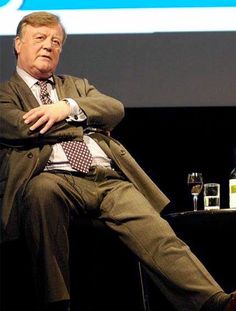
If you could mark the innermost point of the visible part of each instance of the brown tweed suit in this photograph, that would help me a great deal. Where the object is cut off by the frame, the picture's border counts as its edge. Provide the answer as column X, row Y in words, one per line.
column 129, row 202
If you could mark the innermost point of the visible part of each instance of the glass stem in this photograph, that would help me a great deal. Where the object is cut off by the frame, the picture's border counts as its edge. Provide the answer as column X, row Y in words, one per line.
column 195, row 203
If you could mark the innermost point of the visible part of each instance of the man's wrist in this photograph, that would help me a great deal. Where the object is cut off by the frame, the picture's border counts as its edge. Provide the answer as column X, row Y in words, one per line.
column 66, row 101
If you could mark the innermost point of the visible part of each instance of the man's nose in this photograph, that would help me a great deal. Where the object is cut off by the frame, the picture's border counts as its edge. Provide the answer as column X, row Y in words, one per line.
column 47, row 44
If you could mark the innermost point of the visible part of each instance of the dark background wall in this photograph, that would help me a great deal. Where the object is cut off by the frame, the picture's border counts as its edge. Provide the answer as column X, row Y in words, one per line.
column 170, row 142
column 179, row 94
column 150, row 70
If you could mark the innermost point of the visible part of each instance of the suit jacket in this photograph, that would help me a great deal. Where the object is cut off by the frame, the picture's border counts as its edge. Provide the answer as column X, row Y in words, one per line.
column 24, row 153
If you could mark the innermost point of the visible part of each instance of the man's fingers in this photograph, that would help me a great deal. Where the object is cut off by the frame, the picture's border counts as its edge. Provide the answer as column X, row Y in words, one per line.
column 39, row 122
column 32, row 112
column 48, row 125
column 33, row 115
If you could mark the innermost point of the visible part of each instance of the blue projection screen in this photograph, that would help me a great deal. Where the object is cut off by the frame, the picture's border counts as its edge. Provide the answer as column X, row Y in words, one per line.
column 126, row 16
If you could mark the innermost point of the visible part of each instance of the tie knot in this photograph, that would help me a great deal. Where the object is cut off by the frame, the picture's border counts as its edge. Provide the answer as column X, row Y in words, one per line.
column 42, row 83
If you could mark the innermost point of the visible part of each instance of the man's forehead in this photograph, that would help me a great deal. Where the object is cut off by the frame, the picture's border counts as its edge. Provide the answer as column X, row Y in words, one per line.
column 50, row 29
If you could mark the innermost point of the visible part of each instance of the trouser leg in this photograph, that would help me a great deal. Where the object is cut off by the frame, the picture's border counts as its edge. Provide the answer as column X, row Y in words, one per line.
column 45, row 218
column 172, row 265
column 177, row 272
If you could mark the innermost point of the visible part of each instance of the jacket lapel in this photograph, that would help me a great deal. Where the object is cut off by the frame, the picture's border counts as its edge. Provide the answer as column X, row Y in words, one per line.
column 28, row 99
column 59, row 87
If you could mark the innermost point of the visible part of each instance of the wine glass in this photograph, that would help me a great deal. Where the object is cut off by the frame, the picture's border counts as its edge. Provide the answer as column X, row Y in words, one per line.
column 195, row 184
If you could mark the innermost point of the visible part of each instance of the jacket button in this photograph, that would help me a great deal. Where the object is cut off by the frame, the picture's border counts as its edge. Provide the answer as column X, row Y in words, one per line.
column 30, row 155
column 122, row 152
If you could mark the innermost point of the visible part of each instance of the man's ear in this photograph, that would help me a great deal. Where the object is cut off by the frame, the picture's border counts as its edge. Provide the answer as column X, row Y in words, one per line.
column 17, row 44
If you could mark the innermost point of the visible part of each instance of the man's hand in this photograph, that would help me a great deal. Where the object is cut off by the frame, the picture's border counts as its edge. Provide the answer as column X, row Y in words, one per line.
column 47, row 115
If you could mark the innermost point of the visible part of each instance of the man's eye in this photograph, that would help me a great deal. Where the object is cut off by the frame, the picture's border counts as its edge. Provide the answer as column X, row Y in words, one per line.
column 56, row 43
column 39, row 38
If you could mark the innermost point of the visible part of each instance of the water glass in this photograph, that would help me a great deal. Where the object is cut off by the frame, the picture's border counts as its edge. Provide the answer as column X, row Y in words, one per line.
column 211, row 196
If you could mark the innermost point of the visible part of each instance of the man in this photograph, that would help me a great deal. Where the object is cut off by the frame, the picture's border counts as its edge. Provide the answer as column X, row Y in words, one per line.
column 41, row 115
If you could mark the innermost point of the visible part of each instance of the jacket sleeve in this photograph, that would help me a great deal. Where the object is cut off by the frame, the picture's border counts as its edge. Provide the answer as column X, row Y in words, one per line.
column 15, row 133
column 102, row 111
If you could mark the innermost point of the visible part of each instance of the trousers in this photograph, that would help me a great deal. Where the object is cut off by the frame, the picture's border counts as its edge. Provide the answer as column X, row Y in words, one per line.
column 49, row 201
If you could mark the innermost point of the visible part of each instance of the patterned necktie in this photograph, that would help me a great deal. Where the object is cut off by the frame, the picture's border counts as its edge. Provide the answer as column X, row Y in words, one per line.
column 77, row 152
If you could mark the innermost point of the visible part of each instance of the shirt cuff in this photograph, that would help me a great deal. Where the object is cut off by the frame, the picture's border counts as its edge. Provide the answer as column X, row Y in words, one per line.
column 77, row 113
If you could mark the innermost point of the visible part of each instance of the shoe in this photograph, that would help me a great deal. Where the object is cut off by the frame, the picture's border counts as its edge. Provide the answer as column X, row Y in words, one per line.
column 231, row 305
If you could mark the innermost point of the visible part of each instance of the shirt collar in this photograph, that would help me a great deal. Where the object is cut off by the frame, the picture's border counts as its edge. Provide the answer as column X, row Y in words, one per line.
column 29, row 80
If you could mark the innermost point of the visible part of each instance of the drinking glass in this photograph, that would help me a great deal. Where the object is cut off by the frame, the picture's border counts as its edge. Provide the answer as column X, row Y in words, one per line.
column 195, row 184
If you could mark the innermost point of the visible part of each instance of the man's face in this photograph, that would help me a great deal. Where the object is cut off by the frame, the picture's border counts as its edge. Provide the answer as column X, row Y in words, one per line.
column 39, row 49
